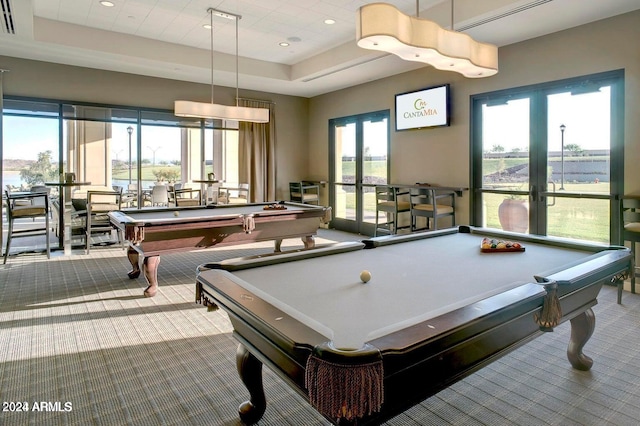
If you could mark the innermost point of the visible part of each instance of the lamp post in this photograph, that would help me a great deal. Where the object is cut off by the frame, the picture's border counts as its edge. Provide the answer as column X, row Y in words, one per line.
column 562, row 127
column 154, row 153
column 130, row 131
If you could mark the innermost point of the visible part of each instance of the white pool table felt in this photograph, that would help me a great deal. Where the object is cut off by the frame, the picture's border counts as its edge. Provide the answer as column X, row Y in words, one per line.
column 411, row 282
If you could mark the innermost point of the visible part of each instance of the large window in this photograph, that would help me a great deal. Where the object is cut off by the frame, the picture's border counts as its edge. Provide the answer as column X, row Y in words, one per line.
column 30, row 152
column 547, row 159
column 110, row 146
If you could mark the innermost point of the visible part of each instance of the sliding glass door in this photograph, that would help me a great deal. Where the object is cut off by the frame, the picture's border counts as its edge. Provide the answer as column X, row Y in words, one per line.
column 548, row 159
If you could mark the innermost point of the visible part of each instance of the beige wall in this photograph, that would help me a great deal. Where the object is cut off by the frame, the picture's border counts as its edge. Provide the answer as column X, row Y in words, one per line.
column 441, row 155
column 438, row 155
column 61, row 82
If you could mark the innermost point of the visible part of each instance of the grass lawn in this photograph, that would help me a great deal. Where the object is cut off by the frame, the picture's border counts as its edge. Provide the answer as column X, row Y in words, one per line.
column 584, row 219
column 147, row 172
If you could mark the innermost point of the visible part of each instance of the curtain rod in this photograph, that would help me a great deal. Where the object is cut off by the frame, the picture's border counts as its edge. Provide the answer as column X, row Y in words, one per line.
column 256, row 100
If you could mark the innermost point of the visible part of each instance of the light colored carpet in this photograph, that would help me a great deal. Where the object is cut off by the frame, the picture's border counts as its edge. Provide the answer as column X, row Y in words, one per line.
column 75, row 330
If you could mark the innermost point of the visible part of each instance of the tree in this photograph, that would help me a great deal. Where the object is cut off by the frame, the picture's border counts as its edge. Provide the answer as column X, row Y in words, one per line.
column 168, row 174
column 40, row 171
column 574, row 148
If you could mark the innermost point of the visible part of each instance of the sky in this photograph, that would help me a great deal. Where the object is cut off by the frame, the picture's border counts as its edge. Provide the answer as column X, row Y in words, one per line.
column 586, row 118
column 24, row 140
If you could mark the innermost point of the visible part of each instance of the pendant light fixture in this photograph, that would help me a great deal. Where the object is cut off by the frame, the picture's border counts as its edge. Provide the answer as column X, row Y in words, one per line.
column 381, row 26
column 217, row 111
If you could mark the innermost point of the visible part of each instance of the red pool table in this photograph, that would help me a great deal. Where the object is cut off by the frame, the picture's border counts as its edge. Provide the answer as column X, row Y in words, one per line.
column 435, row 310
column 153, row 231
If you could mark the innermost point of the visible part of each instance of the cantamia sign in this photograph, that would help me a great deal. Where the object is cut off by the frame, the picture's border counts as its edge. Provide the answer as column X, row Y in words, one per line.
column 424, row 108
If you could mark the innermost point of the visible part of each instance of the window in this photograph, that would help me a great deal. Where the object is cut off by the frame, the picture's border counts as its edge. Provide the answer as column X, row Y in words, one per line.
column 112, row 146
column 547, row 159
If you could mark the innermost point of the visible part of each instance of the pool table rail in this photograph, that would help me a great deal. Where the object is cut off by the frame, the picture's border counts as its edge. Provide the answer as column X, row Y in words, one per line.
column 238, row 264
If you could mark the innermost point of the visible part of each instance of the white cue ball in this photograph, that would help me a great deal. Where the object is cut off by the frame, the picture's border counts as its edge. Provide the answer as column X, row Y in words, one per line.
column 365, row 276
column 176, row 213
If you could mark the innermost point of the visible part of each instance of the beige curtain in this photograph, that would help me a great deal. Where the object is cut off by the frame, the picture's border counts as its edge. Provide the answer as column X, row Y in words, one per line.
column 257, row 154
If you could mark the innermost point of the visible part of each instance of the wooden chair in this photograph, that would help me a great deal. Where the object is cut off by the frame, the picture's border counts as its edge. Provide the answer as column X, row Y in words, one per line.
column 30, row 205
column 304, row 192
column 172, row 192
column 234, row 194
column 388, row 203
column 187, row 197
column 630, row 211
column 99, row 204
column 431, row 204
column 40, row 201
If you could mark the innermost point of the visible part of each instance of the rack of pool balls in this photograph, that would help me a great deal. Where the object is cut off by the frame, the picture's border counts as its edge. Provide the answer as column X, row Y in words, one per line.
column 274, row 207
column 493, row 245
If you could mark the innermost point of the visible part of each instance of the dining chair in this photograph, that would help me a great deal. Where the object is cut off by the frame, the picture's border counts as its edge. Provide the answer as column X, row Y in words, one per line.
column 99, row 204
column 304, row 192
column 630, row 212
column 187, row 197
column 234, row 194
column 160, row 195
column 30, row 205
column 390, row 201
column 431, row 204
column 172, row 192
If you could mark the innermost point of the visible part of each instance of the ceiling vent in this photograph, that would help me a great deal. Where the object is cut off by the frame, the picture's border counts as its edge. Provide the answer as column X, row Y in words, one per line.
column 522, row 8
column 7, row 17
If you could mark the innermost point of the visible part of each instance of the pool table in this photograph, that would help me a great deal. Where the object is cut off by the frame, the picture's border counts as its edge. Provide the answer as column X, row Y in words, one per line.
column 153, row 231
column 435, row 310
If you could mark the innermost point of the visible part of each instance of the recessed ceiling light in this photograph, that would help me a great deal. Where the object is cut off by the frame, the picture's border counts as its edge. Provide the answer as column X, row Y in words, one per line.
column 283, row 44
column 329, row 21
column 107, row 3
column 207, row 26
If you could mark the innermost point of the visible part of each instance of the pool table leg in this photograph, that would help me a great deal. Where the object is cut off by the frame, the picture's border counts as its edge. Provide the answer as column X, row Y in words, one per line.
column 150, row 270
column 309, row 241
column 582, row 328
column 151, row 274
column 250, row 370
column 133, row 257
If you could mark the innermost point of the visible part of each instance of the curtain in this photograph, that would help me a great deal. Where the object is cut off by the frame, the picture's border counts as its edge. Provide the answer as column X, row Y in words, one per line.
column 257, row 154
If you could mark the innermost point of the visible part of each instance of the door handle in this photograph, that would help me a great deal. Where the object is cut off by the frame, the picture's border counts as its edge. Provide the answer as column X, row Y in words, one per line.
column 553, row 184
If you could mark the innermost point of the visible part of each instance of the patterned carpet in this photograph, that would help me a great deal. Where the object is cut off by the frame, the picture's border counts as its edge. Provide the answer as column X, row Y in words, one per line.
column 77, row 337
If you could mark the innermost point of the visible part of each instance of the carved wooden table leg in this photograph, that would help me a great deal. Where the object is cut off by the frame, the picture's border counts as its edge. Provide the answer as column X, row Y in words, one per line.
column 582, row 328
column 250, row 370
column 309, row 241
column 133, row 257
column 151, row 274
